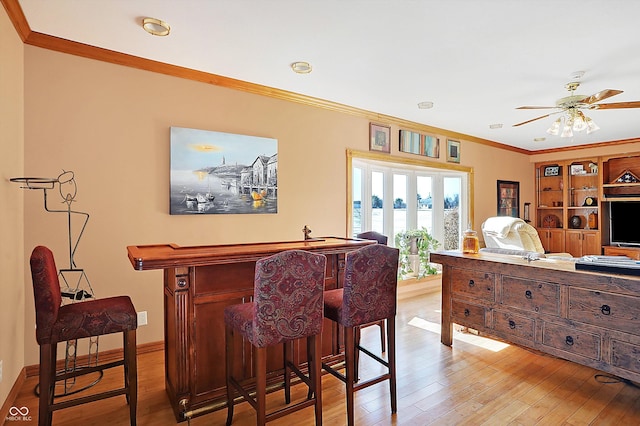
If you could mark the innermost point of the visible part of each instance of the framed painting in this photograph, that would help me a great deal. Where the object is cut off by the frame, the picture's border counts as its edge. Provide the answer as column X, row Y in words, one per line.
column 222, row 173
column 508, row 198
column 379, row 138
column 431, row 145
column 410, row 142
column 453, row 151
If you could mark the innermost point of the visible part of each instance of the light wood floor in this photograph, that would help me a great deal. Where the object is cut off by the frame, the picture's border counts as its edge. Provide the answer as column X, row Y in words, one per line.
column 467, row 384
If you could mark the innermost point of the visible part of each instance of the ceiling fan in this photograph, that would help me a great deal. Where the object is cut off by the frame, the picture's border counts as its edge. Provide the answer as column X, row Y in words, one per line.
column 574, row 105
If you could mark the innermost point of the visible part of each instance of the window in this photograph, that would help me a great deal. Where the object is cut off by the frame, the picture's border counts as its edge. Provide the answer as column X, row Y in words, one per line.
column 393, row 196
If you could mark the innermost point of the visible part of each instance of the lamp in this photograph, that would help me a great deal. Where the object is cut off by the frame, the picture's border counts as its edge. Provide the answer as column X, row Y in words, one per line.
column 573, row 121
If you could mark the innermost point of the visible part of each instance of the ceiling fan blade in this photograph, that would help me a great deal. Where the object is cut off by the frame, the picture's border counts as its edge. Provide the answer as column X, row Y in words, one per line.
column 533, row 119
column 618, row 105
column 536, row 107
column 604, row 94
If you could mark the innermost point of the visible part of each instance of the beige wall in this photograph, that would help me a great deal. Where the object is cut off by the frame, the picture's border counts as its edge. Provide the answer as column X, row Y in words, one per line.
column 110, row 125
column 12, row 288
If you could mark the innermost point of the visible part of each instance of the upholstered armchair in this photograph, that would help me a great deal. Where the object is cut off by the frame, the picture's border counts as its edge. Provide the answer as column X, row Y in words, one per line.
column 511, row 233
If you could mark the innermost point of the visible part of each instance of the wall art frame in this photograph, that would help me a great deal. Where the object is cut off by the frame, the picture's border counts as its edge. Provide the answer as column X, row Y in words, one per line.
column 419, row 143
column 453, row 151
column 508, row 198
column 379, row 138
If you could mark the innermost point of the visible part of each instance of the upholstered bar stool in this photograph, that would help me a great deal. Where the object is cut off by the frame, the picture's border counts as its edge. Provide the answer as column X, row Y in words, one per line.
column 368, row 295
column 55, row 323
column 381, row 239
column 287, row 305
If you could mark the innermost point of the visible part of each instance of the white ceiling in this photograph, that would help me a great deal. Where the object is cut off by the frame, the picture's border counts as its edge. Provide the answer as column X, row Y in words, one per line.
column 476, row 60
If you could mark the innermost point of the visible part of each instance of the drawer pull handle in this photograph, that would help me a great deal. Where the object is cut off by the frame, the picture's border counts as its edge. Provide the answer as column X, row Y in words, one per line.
column 569, row 340
column 466, row 313
column 471, row 283
column 528, row 294
column 606, row 310
column 512, row 324
column 182, row 282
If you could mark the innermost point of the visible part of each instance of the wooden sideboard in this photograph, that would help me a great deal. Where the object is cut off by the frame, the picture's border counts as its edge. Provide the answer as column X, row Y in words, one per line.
column 199, row 282
column 586, row 317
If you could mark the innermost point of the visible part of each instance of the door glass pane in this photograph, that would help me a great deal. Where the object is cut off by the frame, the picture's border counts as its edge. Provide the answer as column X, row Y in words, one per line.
column 399, row 203
column 377, row 198
column 357, row 200
column 452, row 225
column 425, row 204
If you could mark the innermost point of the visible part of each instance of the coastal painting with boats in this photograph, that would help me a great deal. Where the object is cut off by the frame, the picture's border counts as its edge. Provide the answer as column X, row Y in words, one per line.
column 222, row 173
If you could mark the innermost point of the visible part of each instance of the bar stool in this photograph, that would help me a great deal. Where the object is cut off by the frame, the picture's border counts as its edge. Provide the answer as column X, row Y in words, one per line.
column 287, row 305
column 55, row 323
column 381, row 239
column 368, row 295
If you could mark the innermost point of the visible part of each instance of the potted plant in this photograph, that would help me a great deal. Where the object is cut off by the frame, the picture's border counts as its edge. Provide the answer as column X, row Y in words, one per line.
column 415, row 246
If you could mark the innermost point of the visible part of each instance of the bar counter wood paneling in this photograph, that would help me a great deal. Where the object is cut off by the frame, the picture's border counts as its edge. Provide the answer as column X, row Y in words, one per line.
column 199, row 282
column 589, row 318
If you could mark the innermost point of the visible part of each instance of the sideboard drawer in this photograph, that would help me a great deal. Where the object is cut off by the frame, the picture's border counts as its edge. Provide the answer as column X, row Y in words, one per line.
column 625, row 355
column 514, row 325
column 468, row 314
column 607, row 310
column 530, row 295
column 569, row 339
column 475, row 284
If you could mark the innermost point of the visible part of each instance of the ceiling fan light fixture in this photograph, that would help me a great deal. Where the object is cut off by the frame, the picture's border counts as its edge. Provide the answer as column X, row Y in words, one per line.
column 567, row 132
column 555, row 127
column 579, row 123
column 591, row 126
column 156, row 27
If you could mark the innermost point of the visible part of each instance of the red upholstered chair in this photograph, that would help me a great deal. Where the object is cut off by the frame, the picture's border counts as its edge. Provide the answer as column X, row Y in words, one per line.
column 381, row 239
column 287, row 305
column 368, row 295
column 55, row 323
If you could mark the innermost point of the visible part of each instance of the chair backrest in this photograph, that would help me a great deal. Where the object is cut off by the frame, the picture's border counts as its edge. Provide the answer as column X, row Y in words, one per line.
column 511, row 233
column 370, row 284
column 373, row 235
column 288, row 296
column 46, row 292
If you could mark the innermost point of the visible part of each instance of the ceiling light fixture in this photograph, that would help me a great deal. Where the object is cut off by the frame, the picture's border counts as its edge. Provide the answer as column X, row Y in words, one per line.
column 301, row 67
column 573, row 121
column 425, row 105
column 156, row 27
column 495, row 126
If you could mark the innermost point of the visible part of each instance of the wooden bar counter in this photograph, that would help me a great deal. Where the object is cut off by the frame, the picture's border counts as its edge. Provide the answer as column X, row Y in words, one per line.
column 590, row 318
column 199, row 282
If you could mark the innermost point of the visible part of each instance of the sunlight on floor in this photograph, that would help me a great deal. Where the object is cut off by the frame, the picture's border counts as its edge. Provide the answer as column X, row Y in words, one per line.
column 482, row 342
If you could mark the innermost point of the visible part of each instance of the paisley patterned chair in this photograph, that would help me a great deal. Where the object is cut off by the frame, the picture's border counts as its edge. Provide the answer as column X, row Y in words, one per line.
column 288, row 304
column 368, row 295
column 381, row 239
column 56, row 323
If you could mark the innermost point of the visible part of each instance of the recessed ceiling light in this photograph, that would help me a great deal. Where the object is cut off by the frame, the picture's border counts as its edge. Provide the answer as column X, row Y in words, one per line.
column 495, row 126
column 156, row 27
column 539, row 139
column 301, row 67
column 425, row 105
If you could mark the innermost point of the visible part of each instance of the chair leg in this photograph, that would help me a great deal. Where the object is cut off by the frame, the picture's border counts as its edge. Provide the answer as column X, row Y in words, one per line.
column 261, row 386
column 356, row 355
column 286, row 347
column 131, row 373
column 314, row 362
column 391, row 354
column 47, row 379
column 229, row 357
column 382, row 333
column 350, row 367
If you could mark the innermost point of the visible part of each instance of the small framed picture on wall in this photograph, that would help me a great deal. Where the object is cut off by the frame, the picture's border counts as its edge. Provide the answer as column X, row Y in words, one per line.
column 453, row 151
column 379, row 138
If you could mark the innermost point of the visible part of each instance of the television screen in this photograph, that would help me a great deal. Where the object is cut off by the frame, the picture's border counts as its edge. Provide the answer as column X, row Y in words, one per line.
column 625, row 227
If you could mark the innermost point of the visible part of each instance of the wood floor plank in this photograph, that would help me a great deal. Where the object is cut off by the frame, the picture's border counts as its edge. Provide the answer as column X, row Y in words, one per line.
column 437, row 385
